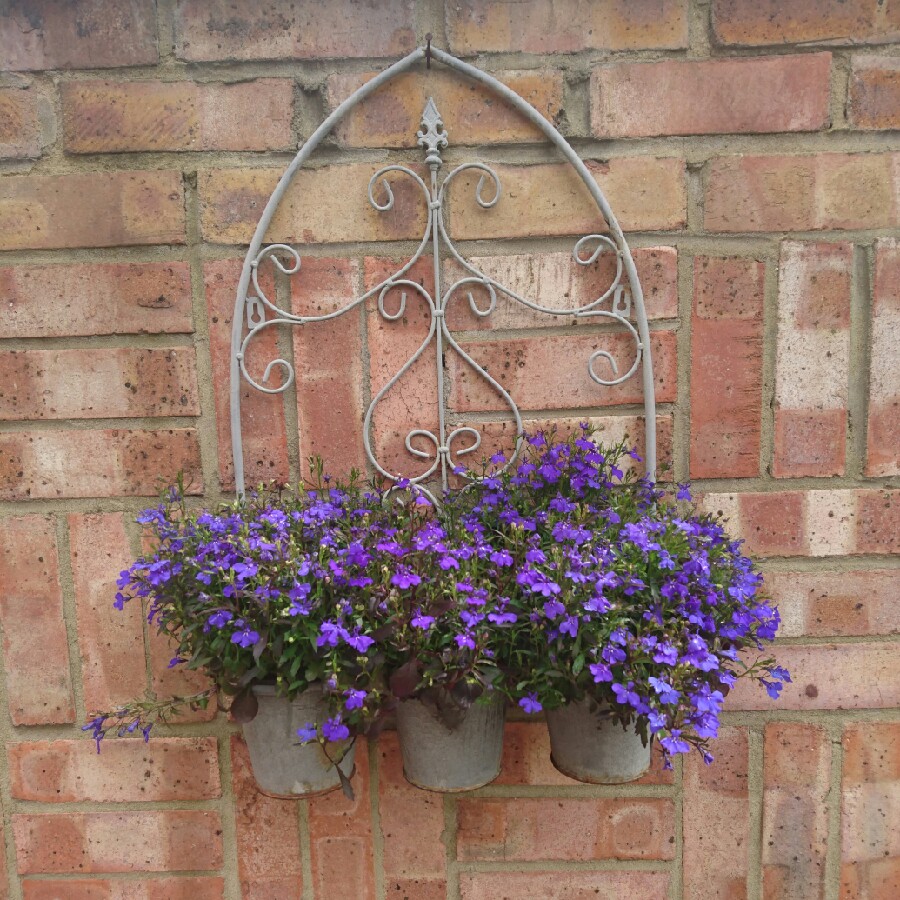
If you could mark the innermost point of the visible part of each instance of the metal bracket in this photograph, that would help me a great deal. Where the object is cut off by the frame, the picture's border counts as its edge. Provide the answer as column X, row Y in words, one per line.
column 623, row 296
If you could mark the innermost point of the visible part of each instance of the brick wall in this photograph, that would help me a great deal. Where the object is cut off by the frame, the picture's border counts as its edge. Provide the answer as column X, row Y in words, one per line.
column 746, row 146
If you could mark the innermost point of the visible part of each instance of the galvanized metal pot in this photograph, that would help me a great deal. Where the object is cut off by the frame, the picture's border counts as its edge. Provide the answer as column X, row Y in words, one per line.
column 282, row 766
column 439, row 758
column 592, row 747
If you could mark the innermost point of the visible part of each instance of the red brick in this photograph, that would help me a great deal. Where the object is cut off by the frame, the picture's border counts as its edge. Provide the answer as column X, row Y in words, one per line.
column 177, row 681
column 126, row 769
column 90, row 384
column 874, row 101
column 217, row 29
column 412, row 822
column 325, row 205
column 99, row 298
column 165, row 888
column 412, row 402
column 329, row 361
column 534, row 829
column 884, row 377
column 35, row 651
column 549, row 372
column 716, row 819
column 563, row 885
column 51, row 464
column 870, row 805
column 556, row 281
column 802, row 193
column 111, row 641
column 774, row 94
column 726, row 367
column 44, row 34
column 760, row 22
column 49, row 212
column 813, row 337
column 526, row 759
column 341, row 843
column 26, row 123
column 836, row 604
column 878, row 522
column 567, row 26
column 645, row 194
column 392, row 116
column 100, row 842
column 114, row 117
column 797, row 772
column 829, row 676
column 262, row 415
column 268, row 836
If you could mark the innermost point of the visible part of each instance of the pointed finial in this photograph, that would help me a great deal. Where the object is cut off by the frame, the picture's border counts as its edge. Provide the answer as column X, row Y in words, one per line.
column 433, row 135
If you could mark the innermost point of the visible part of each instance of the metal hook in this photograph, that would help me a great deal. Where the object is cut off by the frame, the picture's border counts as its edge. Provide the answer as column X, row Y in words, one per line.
column 428, row 51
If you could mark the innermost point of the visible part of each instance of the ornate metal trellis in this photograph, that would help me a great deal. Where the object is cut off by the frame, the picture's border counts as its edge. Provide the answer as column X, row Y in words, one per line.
column 255, row 311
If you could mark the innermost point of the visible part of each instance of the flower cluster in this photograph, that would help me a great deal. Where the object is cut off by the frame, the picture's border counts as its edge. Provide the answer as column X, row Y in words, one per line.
column 553, row 578
column 623, row 594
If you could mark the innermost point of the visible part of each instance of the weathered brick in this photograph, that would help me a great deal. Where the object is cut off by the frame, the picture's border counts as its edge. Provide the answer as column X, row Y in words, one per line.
column 556, row 282
column 50, row 212
column 35, row 652
column 329, row 361
column 176, row 681
column 774, row 94
column 726, row 367
column 813, row 359
column 126, row 769
column 218, row 30
column 164, row 888
column 645, row 194
column 326, row 205
column 829, row 676
column 98, row 298
column 716, row 819
column 882, row 456
column 111, row 641
column 538, row 828
column 802, row 193
column 341, row 843
column 392, row 116
column 91, row 384
column 268, row 836
column 870, row 806
column 874, row 100
column 99, row 842
column 53, row 464
column 46, row 34
column 27, row 124
column 115, row 117
column 412, row 822
column 756, row 23
column 814, row 523
column 526, row 759
column 563, row 885
column 534, row 26
column 796, row 774
column 548, row 372
column 262, row 415
column 827, row 604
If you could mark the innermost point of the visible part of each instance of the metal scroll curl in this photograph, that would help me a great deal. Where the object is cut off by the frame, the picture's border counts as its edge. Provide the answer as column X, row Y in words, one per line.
column 442, row 450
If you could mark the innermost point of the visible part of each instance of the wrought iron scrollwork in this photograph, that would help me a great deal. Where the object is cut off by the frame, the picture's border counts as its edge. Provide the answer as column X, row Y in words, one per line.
column 613, row 304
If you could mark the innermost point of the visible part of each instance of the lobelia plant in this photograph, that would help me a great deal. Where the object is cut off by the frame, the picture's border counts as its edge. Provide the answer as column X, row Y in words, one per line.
column 272, row 588
column 623, row 594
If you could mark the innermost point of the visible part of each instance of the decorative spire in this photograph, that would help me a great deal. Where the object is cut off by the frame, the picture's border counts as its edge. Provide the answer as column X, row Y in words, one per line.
column 433, row 135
